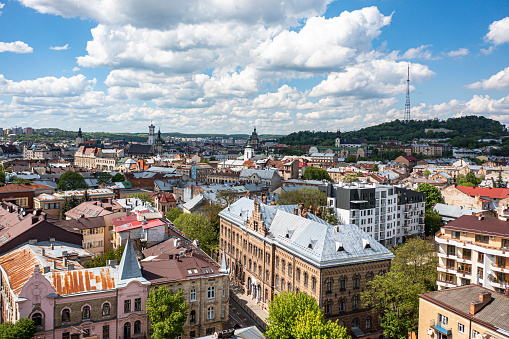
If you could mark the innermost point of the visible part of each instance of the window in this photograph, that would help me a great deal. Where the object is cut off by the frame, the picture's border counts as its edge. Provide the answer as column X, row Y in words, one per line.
column 451, row 250
column 192, row 334
column 193, row 295
column 66, row 315
column 455, row 234
column 356, row 281
column 313, row 283
column 127, row 306
column 106, row 331
column 342, row 283
column 480, row 272
column 277, row 262
column 86, row 312
column 106, row 309
column 480, row 257
column 37, row 318
column 505, row 242
column 224, row 293
column 368, row 323
column 290, row 272
column 192, row 316
column 211, row 292
column 326, row 308
column 461, row 328
column 283, row 266
column 276, row 283
column 86, row 332
column 369, row 276
column 342, row 305
column 355, row 302
column 297, row 274
column 282, row 284
column 475, row 334
column 210, row 313
column 267, row 275
column 210, row 331
column 137, row 304
column 305, row 278
column 467, row 254
column 355, row 322
column 443, row 320
column 465, row 268
column 137, row 327
column 482, row 238
column 328, row 286
column 66, row 335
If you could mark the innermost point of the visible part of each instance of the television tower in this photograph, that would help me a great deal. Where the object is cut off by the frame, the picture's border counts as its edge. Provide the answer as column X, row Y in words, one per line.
column 407, row 104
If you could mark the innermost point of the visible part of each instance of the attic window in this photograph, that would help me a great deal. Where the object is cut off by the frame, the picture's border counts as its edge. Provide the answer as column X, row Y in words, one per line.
column 365, row 243
column 310, row 246
column 339, row 247
column 189, row 271
column 195, row 270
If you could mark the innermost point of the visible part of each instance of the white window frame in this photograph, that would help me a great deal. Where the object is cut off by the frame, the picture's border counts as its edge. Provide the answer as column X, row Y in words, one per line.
column 193, row 295
column 461, row 328
column 210, row 313
column 211, row 292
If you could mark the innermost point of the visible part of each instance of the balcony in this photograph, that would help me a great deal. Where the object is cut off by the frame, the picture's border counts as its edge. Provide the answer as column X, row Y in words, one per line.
column 446, row 284
column 499, row 268
column 500, row 283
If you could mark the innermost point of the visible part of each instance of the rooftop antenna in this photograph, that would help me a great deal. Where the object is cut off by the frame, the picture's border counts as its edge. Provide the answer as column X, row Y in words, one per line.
column 407, row 104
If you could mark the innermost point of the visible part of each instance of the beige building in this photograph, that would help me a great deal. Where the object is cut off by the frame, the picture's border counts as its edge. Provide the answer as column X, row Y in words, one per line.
column 467, row 312
column 474, row 249
column 52, row 203
column 484, row 198
column 94, row 157
column 270, row 249
column 180, row 265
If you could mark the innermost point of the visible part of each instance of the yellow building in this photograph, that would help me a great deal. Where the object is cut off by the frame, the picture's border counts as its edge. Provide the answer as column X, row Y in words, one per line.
column 467, row 312
column 52, row 203
column 474, row 249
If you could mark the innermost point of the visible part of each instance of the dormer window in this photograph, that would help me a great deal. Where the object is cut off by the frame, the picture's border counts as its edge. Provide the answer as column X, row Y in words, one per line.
column 365, row 243
column 339, row 246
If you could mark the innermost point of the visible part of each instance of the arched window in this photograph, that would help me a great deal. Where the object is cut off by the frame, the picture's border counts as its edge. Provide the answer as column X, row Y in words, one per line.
column 282, row 284
column 106, row 309
column 355, row 302
column 260, row 271
column 37, row 318
column 192, row 316
column 283, row 266
column 355, row 322
column 250, row 263
column 267, row 276
column 328, row 286
column 289, row 287
column 290, row 271
column 342, row 305
column 313, row 283
column 127, row 330
column 277, row 262
column 266, row 295
column 85, row 313
column 305, row 278
column 137, row 327
column 342, row 283
column 210, row 313
column 369, row 276
column 297, row 274
column 277, row 281
column 66, row 315
column 356, row 281
column 368, row 322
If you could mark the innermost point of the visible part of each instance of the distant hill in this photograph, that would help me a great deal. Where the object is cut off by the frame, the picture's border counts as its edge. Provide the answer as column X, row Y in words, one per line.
column 469, row 127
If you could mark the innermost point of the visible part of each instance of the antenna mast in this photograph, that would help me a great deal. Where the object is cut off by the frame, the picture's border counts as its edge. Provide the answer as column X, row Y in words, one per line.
column 407, row 104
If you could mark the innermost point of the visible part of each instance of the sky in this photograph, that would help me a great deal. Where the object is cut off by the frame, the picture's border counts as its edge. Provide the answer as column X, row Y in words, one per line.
column 227, row 66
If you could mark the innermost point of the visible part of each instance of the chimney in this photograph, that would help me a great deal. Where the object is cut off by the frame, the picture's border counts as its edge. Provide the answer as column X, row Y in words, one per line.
column 46, row 269
column 477, row 305
column 51, row 239
column 296, row 211
column 485, row 297
column 55, row 265
column 481, row 217
column 65, row 262
column 43, row 252
column 52, row 246
column 70, row 267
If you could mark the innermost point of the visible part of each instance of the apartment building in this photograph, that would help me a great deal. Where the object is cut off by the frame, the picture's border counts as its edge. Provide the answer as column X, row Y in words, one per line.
column 387, row 213
column 272, row 248
column 52, row 203
column 474, row 249
column 469, row 312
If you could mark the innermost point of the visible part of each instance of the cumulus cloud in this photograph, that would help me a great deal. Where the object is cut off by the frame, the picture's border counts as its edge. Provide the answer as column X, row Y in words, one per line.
column 165, row 14
column 46, row 87
column 60, row 48
column 1, row 6
column 421, row 52
column 458, row 53
column 75, row 69
column 499, row 81
column 323, row 44
column 376, row 78
column 15, row 47
column 498, row 32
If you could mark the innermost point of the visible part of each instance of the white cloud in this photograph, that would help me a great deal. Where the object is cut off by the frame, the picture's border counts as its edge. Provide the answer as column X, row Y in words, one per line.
column 323, row 44
column 458, row 53
column 165, row 14
column 421, row 52
column 498, row 32
column 46, row 87
column 60, row 48
column 1, row 6
column 499, row 81
column 75, row 69
column 376, row 78
column 15, row 47
column 487, row 51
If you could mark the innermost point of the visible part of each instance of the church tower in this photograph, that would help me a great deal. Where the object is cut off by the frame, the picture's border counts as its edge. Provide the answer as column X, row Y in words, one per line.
column 248, row 151
column 151, row 134
column 159, row 143
column 79, row 138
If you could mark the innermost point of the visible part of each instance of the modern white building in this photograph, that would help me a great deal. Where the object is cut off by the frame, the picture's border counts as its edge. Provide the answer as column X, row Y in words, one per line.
column 387, row 213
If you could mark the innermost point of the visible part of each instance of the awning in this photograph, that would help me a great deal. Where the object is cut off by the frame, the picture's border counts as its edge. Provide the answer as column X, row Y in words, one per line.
column 357, row 332
column 443, row 330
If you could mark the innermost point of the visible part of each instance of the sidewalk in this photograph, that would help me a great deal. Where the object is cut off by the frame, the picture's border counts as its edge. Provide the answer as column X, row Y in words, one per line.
column 248, row 305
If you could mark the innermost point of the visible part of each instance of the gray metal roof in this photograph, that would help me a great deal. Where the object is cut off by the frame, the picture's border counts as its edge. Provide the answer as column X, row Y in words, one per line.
column 129, row 267
column 263, row 174
column 312, row 239
column 455, row 211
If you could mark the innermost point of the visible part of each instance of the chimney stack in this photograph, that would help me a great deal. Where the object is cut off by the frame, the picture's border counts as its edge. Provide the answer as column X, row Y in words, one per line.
column 296, row 211
column 65, row 262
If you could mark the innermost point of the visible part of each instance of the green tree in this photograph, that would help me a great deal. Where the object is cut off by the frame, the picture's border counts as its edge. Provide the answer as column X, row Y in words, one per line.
column 351, row 159
column 197, row 226
column 308, row 196
column 433, row 195
column 173, row 213
column 67, row 205
column 297, row 316
column 469, row 180
column 212, row 212
column 375, row 168
column 17, row 180
column 167, row 312
column 118, row 178
column 226, row 197
column 23, row 329
column 427, row 173
column 2, row 174
column 109, row 254
column 104, row 178
column 432, row 222
column 315, row 173
column 499, row 183
column 143, row 197
column 71, row 180
column 205, row 161
column 329, row 215
column 350, row 177
column 395, row 294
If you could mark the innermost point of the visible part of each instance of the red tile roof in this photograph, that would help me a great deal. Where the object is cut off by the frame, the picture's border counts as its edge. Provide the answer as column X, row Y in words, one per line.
column 492, row 193
column 23, row 187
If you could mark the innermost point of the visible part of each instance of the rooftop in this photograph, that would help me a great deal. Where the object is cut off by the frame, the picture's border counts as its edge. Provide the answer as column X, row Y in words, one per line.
column 474, row 224
column 488, row 192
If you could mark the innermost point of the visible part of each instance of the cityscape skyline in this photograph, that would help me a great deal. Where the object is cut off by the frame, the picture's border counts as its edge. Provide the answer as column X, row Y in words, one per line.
column 282, row 67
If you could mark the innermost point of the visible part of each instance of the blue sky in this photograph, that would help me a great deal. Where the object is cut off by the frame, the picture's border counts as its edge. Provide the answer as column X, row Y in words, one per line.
column 217, row 66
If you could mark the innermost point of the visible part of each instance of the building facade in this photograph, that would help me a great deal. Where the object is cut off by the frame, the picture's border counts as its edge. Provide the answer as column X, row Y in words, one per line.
column 269, row 249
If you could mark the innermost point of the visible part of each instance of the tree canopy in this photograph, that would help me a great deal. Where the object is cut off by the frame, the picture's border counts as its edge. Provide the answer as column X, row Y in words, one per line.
column 197, row 226
column 118, row 178
column 109, row 254
column 167, row 312
column 350, row 177
column 309, row 196
column 173, row 213
column 432, row 222
column 297, row 316
column 67, row 205
column 469, row 180
column 143, row 197
column 23, row 329
column 433, row 195
column 315, row 173
column 104, row 178
column 71, row 180
column 395, row 294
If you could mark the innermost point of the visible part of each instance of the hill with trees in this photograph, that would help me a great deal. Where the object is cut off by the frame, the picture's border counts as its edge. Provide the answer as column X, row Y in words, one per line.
column 465, row 131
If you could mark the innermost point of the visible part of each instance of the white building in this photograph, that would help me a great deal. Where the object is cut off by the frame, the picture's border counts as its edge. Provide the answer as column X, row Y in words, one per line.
column 387, row 213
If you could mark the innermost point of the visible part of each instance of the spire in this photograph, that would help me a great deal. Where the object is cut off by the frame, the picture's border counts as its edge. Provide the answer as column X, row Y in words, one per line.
column 407, row 104
column 224, row 268
column 80, row 135
column 129, row 267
